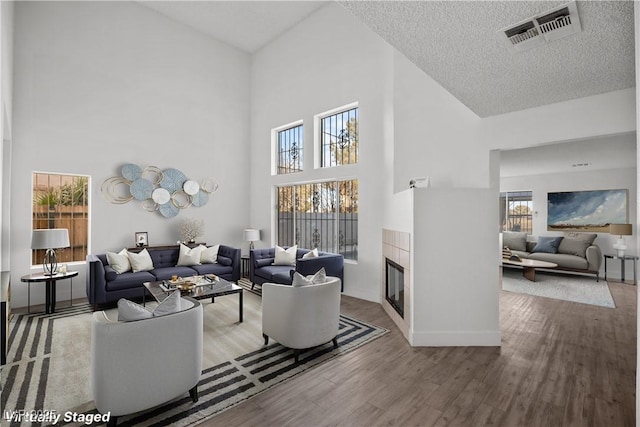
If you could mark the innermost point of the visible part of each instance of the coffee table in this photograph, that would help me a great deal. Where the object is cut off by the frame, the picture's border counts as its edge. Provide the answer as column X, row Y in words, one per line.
column 529, row 266
column 204, row 289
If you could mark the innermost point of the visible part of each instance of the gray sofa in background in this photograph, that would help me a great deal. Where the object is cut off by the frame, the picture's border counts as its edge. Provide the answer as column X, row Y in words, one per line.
column 573, row 252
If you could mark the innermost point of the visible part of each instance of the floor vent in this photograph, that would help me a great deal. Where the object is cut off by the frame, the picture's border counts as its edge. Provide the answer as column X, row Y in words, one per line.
column 551, row 25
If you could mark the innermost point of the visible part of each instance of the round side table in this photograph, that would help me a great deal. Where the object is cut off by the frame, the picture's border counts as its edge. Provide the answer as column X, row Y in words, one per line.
column 50, row 287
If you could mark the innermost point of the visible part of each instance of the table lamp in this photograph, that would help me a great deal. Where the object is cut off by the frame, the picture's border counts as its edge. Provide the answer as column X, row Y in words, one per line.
column 620, row 230
column 251, row 235
column 50, row 239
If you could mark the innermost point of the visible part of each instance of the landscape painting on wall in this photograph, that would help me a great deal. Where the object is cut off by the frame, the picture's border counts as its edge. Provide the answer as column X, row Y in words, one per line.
column 587, row 210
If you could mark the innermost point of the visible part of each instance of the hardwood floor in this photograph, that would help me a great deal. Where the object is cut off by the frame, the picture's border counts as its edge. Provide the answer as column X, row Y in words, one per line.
column 560, row 364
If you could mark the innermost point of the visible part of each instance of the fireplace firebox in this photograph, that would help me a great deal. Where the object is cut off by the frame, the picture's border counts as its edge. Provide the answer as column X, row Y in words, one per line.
column 395, row 286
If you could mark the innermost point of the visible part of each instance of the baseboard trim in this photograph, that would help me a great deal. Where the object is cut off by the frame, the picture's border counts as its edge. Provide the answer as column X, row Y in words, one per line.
column 456, row 339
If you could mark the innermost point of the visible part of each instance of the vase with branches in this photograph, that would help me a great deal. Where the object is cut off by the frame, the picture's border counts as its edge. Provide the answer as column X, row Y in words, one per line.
column 190, row 229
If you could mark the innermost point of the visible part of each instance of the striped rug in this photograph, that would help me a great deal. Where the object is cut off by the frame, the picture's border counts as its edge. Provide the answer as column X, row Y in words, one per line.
column 50, row 355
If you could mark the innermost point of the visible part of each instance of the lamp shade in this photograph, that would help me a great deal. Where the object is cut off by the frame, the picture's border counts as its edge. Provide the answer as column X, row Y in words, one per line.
column 251, row 235
column 620, row 229
column 50, row 239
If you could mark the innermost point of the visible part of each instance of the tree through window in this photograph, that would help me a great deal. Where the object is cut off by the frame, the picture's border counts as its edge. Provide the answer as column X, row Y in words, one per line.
column 321, row 215
column 62, row 201
column 516, row 208
column 339, row 138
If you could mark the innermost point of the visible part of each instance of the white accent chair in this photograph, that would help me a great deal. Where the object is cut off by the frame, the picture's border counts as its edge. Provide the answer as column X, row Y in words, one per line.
column 301, row 317
column 140, row 364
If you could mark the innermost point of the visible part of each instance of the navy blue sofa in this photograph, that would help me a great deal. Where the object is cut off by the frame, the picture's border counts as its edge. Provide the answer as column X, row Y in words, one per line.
column 262, row 270
column 104, row 285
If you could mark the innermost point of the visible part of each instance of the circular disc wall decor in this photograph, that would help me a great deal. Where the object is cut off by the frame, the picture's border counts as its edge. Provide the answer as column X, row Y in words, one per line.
column 180, row 199
column 116, row 190
column 141, row 189
column 149, row 205
column 209, row 185
column 168, row 210
column 172, row 180
column 131, row 171
column 153, row 174
column 161, row 196
column 191, row 187
column 200, row 199
column 167, row 191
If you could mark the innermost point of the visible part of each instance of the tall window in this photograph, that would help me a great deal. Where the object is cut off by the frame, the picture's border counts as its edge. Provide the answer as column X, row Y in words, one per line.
column 515, row 211
column 339, row 138
column 321, row 215
column 290, row 150
column 62, row 201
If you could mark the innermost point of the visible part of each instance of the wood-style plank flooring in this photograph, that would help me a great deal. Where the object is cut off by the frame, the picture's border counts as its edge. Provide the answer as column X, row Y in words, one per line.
column 560, row 364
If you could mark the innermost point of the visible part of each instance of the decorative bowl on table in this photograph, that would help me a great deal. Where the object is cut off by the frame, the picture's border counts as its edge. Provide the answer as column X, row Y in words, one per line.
column 186, row 286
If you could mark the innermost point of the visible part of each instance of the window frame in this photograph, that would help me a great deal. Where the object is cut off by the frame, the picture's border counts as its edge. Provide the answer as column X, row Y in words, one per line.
column 298, row 129
column 516, row 196
column 319, row 132
column 337, row 222
column 35, row 259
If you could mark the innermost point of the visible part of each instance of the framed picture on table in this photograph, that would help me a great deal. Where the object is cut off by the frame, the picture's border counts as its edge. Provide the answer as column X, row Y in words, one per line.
column 142, row 238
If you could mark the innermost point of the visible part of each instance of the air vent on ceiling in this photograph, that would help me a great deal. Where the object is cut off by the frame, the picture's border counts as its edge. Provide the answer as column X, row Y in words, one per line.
column 551, row 25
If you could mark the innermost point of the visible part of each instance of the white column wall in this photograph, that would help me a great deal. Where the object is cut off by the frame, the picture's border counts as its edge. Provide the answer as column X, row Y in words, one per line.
column 102, row 84
column 636, row 14
column 6, row 114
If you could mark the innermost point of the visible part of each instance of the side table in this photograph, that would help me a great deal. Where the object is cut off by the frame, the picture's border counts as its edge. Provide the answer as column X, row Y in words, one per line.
column 622, row 259
column 5, row 307
column 50, row 287
column 244, row 265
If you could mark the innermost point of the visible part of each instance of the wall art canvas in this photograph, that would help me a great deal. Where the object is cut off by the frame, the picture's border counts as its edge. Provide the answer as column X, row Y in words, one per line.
column 587, row 210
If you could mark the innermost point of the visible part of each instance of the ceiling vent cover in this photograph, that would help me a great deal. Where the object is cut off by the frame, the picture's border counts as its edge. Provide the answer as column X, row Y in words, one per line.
column 551, row 25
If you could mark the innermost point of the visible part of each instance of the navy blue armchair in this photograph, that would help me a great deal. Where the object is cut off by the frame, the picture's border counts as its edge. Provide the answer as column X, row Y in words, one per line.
column 262, row 270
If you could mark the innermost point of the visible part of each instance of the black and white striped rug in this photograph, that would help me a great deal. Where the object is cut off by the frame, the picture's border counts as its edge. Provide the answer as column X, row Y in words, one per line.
column 48, row 364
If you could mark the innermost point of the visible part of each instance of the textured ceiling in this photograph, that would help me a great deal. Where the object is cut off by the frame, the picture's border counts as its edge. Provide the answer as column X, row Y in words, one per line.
column 458, row 45
column 246, row 25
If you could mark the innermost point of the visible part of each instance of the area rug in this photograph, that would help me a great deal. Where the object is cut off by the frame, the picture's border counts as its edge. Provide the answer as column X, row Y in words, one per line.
column 49, row 359
column 580, row 289
column 246, row 284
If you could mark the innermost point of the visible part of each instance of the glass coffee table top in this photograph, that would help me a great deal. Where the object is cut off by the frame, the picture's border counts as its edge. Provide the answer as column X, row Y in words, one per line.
column 203, row 289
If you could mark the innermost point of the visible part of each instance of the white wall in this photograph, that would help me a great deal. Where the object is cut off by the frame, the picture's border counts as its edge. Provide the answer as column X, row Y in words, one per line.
column 327, row 61
column 6, row 114
column 435, row 134
column 456, row 267
column 580, row 181
column 584, row 118
column 636, row 16
column 101, row 84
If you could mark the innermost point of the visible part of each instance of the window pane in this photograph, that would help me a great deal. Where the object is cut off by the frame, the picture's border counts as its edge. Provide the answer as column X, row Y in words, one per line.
column 62, row 201
column 286, row 229
column 348, row 219
column 339, row 138
column 290, row 147
column 516, row 210
column 321, row 215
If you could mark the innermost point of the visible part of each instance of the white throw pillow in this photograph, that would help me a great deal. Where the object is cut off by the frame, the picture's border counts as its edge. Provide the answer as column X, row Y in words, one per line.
column 171, row 304
column 319, row 277
column 299, row 280
column 285, row 256
column 140, row 261
column 129, row 311
column 119, row 261
column 311, row 254
column 209, row 255
column 189, row 256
